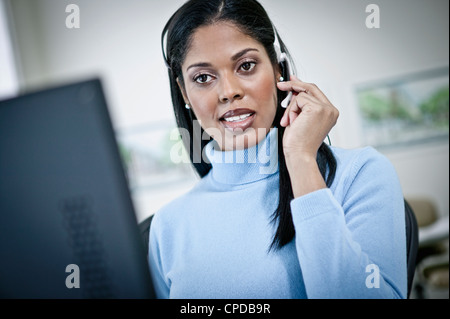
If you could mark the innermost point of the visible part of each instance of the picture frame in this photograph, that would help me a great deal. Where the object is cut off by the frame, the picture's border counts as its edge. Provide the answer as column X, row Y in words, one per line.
column 406, row 109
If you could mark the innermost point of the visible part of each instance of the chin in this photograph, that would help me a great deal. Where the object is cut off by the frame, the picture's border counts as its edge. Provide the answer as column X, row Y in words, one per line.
column 243, row 140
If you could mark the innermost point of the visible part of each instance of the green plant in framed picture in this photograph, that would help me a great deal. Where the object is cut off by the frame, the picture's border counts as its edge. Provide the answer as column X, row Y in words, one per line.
column 408, row 109
column 435, row 109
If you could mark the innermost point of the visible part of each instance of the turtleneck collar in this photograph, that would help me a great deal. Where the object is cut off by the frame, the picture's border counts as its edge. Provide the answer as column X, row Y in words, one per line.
column 246, row 165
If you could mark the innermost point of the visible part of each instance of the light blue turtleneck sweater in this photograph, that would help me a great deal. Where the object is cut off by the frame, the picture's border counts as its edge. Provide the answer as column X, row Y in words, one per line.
column 350, row 239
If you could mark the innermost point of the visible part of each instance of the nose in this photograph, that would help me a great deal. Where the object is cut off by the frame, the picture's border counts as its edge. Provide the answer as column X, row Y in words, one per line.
column 230, row 89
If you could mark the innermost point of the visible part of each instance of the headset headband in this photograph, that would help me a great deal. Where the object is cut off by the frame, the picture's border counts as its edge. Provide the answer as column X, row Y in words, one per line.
column 163, row 36
column 281, row 56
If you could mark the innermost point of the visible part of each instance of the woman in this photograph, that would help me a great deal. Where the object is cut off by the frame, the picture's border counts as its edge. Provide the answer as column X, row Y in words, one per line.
column 277, row 213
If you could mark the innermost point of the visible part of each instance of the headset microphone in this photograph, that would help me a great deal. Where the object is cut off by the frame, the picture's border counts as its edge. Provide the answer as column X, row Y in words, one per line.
column 286, row 74
column 283, row 61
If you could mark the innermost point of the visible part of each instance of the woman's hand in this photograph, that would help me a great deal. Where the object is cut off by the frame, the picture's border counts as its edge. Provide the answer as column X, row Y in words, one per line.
column 308, row 119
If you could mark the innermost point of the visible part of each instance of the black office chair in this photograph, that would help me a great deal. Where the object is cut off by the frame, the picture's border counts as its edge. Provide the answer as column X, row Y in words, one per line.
column 144, row 228
column 412, row 240
column 412, row 243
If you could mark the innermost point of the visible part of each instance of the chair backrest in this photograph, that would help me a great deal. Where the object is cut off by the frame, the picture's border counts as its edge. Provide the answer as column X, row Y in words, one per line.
column 144, row 228
column 424, row 209
column 412, row 241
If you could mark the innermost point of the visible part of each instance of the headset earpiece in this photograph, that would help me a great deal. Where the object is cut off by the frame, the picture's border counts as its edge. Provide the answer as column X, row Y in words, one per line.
column 284, row 71
column 286, row 75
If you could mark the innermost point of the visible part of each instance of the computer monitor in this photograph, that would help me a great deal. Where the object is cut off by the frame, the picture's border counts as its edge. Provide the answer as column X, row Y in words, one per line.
column 67, row 224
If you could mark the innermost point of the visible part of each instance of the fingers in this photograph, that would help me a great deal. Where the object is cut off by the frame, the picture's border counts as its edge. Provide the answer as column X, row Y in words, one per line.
column 299, row 86
column 295, row 108
column 296, row 86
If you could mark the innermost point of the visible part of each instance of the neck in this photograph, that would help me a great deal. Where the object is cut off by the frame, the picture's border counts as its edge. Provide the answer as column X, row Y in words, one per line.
column 246, row 165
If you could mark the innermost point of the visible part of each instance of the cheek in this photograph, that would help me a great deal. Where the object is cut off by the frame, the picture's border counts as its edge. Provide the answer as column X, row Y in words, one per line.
column 265, row 93
column 203, row 105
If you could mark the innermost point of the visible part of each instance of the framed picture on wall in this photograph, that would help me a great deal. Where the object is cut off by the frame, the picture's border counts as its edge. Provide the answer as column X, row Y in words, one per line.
column 153, row 156
column 157, row 167
column 408, row 109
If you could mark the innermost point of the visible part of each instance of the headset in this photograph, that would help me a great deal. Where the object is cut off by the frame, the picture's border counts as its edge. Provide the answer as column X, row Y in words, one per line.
column 286, row 71
column 285, row 66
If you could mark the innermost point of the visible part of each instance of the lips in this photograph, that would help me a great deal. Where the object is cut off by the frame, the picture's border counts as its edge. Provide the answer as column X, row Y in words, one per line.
column 236, row 119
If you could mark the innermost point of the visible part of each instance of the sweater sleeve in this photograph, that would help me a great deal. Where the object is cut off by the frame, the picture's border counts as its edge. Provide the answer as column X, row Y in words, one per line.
column 155, row 262
column 354, row 247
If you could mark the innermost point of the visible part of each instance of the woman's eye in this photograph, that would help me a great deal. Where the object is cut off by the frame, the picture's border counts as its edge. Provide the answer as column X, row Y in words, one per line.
column 248, row 66
column 203, row 78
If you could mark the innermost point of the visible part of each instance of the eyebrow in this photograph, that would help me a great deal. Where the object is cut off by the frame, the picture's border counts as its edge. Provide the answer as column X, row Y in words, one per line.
column 233, row 58
column 241, row 53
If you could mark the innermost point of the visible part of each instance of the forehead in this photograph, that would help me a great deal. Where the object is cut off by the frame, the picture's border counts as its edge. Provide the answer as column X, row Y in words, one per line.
column 219, row 41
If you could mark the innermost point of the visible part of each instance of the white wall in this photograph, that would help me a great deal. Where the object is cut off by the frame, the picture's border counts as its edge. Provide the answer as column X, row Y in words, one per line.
column 423, row 172
column 9, row 85
column 118, row 40
column 332, row 47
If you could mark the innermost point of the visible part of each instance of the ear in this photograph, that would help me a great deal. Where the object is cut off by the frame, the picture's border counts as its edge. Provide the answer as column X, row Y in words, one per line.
column 277, row 71
column 183, row 91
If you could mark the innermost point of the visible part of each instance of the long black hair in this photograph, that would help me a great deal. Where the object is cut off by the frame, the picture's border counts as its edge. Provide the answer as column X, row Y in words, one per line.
column 252, row 19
